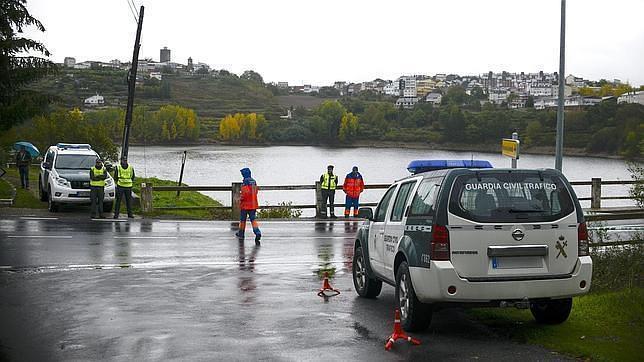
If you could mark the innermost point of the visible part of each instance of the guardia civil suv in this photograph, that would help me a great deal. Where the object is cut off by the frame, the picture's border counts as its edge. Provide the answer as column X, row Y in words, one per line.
column 464, row 233
column 64, row 176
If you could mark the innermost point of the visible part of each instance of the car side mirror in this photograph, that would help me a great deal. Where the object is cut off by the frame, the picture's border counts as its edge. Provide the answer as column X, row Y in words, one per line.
column 46, row 165
column 365, row 213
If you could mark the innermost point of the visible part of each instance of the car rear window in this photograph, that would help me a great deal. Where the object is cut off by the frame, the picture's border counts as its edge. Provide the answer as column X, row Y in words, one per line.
column 507, row 196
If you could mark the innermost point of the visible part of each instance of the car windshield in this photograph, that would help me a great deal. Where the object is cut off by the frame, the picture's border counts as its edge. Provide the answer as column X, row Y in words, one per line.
column 75, row 162
column 510, row 196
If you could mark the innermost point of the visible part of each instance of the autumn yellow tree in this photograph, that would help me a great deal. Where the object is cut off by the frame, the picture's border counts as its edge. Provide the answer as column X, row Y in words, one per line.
column 242, row 127
column 348, row 127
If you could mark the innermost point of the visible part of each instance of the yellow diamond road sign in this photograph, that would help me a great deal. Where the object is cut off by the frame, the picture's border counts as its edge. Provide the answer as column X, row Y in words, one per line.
column 510, row 148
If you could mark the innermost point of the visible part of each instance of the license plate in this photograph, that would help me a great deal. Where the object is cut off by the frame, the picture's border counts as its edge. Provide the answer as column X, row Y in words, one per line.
column 82, row 194
column 517, row 262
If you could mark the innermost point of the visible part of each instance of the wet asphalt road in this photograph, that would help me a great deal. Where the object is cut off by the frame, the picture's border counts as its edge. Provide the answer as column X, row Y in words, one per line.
column 75, row 289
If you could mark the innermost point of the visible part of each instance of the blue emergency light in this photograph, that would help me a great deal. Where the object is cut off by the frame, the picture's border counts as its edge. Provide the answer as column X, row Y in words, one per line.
column 418, row 166
column 74, row 146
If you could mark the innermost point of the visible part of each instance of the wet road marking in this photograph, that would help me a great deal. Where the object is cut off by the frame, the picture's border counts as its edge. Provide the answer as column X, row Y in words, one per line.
column 38, row 218
column 146, row 237
column 41, row 236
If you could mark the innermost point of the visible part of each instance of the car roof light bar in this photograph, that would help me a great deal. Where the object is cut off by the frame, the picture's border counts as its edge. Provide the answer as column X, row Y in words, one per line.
column 74, row 146
column 418, row 166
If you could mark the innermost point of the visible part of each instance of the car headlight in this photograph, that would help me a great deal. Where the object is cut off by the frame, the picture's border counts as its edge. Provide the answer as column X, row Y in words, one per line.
column 62, row 182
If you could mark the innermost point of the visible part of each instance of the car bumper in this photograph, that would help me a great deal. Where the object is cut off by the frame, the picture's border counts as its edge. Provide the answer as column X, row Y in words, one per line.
column 76, row 196
column 431, row 285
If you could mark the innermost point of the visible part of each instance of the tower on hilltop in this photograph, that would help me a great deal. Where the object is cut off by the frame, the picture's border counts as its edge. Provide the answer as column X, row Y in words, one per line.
column 164, row 56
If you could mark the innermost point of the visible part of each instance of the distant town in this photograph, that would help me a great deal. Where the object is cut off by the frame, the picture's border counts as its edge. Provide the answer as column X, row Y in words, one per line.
column 514, row 90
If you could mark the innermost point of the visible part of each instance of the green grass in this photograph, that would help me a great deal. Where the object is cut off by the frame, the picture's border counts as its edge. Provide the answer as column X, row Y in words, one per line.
column 6, row 191
column 27, row 199
column 605, row 326
column 170, row 199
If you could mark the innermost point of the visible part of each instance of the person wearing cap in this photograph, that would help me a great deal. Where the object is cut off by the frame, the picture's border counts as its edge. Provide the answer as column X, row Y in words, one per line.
column 124, row 177
column 353, row 186
column 248, row 205
column 97, row 176
column 328, row 184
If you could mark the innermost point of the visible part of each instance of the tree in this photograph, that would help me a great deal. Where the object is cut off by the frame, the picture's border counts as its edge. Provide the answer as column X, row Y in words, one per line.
column 529, row 103
column 17, row 69
column 331, row 113
column 252, row 76
column 477, row 92
column 348, row 127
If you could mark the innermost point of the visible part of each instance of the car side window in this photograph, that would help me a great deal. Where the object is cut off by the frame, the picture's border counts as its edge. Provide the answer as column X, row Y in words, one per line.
column 50, row 157
column 425, row 197
column 381, row 211
column 401, row 201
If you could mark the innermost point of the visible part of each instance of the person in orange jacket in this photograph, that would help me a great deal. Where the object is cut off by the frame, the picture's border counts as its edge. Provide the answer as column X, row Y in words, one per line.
column 353, row 186
column 248, row 205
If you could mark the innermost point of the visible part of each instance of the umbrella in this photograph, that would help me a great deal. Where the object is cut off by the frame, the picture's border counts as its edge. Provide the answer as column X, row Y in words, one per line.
column 33, row 151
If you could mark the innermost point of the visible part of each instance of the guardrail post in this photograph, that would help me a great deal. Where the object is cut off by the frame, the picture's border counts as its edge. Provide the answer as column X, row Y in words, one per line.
column 146, row 197
column 318, row 200
column 235, row 200
column 596, row 193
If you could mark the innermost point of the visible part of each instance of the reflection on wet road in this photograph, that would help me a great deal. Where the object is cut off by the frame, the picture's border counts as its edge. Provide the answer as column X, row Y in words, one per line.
column 75, row 289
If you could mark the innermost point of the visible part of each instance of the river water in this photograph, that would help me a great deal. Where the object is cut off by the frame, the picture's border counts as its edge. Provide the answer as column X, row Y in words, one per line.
column 295, row 165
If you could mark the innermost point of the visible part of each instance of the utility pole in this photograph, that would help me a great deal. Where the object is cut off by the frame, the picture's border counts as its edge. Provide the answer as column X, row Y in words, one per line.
column 562, row 80
column 131, row 82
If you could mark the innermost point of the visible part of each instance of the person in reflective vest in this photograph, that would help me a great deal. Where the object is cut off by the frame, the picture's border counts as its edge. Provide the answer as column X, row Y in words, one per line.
column 248, row 205
column 97, row 176
column 353, row 186
column 328, row 184
column 124, row 176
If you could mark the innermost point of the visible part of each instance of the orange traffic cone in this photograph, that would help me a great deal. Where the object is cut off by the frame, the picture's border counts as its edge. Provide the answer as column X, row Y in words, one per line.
column 327, row 291
column 399, row 333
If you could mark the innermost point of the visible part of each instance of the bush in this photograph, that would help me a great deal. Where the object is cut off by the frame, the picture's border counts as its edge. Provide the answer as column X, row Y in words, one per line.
column 284, row 211
column 617, row 267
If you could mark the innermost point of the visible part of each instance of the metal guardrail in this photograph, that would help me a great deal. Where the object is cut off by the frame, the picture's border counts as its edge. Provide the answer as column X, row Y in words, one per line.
column 594, row 213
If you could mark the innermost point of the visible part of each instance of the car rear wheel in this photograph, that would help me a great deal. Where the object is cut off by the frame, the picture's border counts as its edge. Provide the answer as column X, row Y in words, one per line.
column 366, row 286
column 51, row 205
column 414, row 315
column 554, row 311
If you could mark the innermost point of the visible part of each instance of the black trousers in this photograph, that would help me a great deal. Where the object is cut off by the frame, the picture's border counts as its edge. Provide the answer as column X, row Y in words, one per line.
column 24, row 176
column 328, row 195
column 123, row 192
column 96, row 197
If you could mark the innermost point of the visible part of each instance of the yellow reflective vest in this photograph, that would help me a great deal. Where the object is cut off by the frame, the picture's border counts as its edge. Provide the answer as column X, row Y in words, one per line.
column 97, row 172
column 329, row 182
column 125, row 176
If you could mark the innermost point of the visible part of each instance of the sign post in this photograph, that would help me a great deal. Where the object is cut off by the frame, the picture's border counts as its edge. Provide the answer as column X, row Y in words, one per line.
column 510, row 148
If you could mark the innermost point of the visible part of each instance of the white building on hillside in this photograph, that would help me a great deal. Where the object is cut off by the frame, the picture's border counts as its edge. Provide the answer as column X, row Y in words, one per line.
column 632, row 97
column 434, row 98
column 95, row 100
column 406, row 102
column 392, row 89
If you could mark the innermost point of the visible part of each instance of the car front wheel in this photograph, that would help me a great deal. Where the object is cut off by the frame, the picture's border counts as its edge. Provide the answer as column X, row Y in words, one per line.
column 41, row 193
column 51, row 205
column 554, row 311
column 414, row 315
column 365, row 286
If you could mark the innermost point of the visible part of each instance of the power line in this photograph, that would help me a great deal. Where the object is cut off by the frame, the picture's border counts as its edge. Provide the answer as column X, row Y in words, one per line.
column 136, row 20
column 135, row 9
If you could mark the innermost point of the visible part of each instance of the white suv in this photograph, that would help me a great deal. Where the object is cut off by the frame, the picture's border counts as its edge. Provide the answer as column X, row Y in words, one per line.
column 463, row 233
column 64, row 176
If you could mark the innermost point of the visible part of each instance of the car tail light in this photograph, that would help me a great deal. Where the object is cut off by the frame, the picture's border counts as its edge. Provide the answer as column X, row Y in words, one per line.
column 582, row 235
column 440, row 243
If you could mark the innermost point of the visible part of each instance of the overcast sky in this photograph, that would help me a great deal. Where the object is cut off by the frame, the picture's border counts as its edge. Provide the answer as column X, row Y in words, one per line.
column 321, row 42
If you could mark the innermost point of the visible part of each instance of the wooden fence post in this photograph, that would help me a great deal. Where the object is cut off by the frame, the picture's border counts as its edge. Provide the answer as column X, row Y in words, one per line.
column 318, row 200
column 596, row 193
column 235, row 200
column 146, row 197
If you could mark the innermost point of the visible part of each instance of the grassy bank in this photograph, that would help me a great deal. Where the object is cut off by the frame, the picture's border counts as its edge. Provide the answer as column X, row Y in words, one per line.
column 606, row 324
column 27, row 199
column 603, row 326
column 170, row 199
